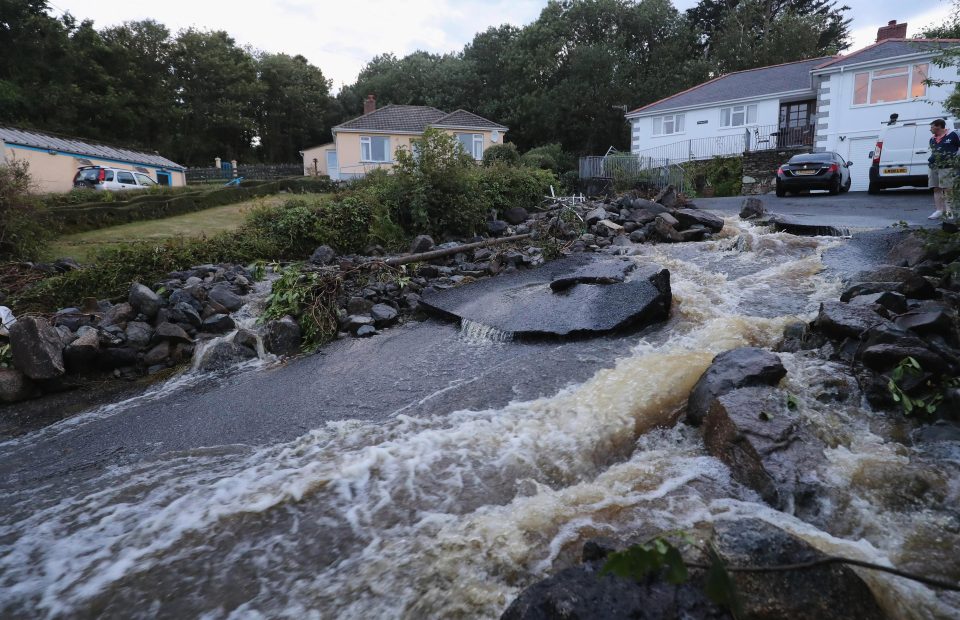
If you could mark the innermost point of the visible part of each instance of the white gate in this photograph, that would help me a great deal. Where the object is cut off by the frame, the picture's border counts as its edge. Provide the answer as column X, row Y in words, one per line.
column 859, row 154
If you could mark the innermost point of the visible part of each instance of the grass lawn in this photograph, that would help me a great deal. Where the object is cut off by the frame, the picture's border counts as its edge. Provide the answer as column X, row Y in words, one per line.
column 81, row 246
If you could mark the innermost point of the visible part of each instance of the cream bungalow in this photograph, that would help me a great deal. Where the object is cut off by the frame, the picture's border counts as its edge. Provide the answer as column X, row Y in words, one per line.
column 54, row 160
column 370, row 141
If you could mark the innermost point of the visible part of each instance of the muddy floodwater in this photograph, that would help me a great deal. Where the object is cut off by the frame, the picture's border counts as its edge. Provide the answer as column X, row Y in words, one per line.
column 447, row 502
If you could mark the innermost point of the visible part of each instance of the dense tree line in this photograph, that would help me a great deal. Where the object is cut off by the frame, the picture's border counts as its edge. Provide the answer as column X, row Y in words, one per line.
column 567, row 77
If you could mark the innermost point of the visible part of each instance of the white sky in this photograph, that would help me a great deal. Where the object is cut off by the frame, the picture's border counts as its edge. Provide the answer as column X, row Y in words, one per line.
column 340, row 37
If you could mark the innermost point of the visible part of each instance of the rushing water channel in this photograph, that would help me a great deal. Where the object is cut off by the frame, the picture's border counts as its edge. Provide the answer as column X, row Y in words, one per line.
column 452, row 513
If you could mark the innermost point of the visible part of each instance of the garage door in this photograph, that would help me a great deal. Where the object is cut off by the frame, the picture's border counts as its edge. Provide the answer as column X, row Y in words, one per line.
column 859, row 154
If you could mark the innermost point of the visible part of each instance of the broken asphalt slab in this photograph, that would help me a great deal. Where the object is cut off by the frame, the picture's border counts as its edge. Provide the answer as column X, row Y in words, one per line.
column 592, row 296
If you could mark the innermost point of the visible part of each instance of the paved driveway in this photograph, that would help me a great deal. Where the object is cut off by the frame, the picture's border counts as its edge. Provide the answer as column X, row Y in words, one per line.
column 854, row 210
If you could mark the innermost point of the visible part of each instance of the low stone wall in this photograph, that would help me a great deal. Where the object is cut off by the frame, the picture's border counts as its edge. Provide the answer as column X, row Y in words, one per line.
column 760, row 168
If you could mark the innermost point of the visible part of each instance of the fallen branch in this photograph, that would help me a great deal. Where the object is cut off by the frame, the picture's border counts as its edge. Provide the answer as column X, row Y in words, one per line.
column 425, row 256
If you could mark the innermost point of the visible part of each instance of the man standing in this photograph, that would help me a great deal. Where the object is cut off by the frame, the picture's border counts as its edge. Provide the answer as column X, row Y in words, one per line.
column 943, row 161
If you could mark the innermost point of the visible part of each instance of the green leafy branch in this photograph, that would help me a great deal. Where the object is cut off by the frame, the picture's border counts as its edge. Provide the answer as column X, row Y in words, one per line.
column 925, row 402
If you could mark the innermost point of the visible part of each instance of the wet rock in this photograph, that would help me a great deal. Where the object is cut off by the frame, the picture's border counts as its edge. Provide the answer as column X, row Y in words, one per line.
column 185, row 296
column 665, row 228
column 218, row 324
column 595, row 216
column 223, row 354
column 14, row 386
column 610, row 227
column 516, row 215
column 918, row 287
column 144, row 300
column 138, row 333
column 579, row 593
column 421, row 244
column 359, row 305
column 691, row 217
column 117, row 357
column 693, row 234
column 668, row 197
column 365, row 331
column 71, row 318
column 648, row 205
column 185, row 314
column 37, row 348
column 752, row 208
column 894, row 302
column 157, row 354
column 222, row 295
column 497, row 228
column 736, row 368
column 119, row 314
column 246, row 338
column 885, row 273
column 383, row 315
column 323, row 255
column 936, row 321
column 868, row 288
column 644, row 216
column 81, row 355
column 883, row 357
column 282, row 336
column 828, row 592
column 638, row 236
column 765, row 446
column 169, row 331
column 842, row 320
column 910, row 251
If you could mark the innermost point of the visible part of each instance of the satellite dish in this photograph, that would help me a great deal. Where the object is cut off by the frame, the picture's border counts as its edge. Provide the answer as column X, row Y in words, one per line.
column 495, row 136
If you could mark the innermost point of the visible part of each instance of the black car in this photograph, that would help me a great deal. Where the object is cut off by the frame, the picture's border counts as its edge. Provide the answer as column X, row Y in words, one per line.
column 809, row 171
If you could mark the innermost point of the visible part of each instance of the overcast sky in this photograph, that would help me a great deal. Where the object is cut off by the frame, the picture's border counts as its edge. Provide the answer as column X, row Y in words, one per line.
column 341, row 36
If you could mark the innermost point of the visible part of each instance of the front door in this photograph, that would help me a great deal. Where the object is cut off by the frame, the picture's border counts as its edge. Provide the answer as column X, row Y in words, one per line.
column 333, row 168
column 796, row 126
column 163, row 178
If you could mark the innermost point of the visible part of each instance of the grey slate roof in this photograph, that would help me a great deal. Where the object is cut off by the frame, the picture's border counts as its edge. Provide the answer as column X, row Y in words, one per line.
column 49, row 142
column 890, row 48
column 462, row 118
column 415, row 118
column 395, row 118
column 742, row 85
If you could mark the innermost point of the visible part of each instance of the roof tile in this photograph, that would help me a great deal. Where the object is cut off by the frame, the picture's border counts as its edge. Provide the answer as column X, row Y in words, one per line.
column 414, row 118
column 22, row 137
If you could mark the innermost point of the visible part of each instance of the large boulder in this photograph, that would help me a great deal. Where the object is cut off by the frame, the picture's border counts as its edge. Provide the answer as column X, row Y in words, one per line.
column 736, row 368
column 421, row 244
column 169, row 331
column 665, row 225
column 144, row 300
column 37, row 348
column 323, row 255
column 81, row 354
column 225, row 297
column 138, row 334
column 691, row 217
column 119, row 314
column 827, row 592
column 516, row 215
column 383, row 315
column 282, row 336
column 668, row 197
column 843, row 320
column 763, row 442
column 222, row 354
column 14, row 386
column 752, row 208
column 605, row 272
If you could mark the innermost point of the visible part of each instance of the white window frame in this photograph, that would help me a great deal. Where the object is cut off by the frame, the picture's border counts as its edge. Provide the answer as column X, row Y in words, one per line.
column 909, row 70
column 675, row 122
column 476, row 143
column 366, row 149
column 746, row 110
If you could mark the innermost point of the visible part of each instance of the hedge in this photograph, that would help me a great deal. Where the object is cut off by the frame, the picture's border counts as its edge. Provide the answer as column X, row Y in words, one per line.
column 92, row 216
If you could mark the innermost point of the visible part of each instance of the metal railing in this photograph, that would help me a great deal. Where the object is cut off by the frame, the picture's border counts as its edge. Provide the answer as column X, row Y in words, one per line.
column 255, row 172
column 629, row 169
column 755, row 138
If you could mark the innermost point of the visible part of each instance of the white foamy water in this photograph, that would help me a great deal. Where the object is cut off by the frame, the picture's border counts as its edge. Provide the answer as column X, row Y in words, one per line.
column 453, row 515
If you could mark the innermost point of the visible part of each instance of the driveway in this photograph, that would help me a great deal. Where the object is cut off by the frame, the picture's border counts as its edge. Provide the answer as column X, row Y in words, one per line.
column 854, row 210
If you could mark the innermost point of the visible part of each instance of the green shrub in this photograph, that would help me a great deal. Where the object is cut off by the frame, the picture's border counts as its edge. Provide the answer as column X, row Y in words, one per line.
column 502, row 154
column 549, row 157
column 504, row 187
column 725, row 174
column 23, row 233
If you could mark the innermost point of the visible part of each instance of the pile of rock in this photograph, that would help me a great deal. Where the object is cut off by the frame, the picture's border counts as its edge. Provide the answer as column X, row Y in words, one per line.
column 151, row 331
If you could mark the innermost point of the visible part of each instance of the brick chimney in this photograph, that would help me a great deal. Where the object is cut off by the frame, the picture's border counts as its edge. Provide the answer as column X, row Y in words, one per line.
column 892, row 30
column 370, row 103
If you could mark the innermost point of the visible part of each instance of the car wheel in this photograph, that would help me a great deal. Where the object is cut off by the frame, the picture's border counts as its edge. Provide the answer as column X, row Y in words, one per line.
column 835, row 188
column 780, row 191
column 846, row 188
column 873, row 188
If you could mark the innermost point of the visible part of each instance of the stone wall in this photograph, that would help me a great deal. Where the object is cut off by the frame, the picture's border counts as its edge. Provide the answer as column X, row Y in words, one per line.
column 760, row 168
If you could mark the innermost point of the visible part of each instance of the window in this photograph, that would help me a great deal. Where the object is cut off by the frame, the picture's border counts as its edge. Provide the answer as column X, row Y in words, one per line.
column 108, row 175
column 668, row 124
column 472, row 144
column 125, row 177
column 887, row 85
column 374, row 148
column 738, row 115
column 145, row 180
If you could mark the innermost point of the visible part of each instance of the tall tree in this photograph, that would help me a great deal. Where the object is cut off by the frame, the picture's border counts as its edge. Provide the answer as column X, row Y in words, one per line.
column 217, row 92
column 743, row 34
column 293, row 111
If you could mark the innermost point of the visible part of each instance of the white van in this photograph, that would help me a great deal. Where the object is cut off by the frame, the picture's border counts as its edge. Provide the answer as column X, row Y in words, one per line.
column 900, row 158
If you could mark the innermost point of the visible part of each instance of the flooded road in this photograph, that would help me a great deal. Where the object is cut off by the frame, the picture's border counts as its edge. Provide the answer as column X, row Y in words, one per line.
column 435, row 472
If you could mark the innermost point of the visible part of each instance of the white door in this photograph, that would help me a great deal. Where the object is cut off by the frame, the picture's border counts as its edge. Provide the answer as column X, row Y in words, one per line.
column 859, row 154
column 333, row 168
